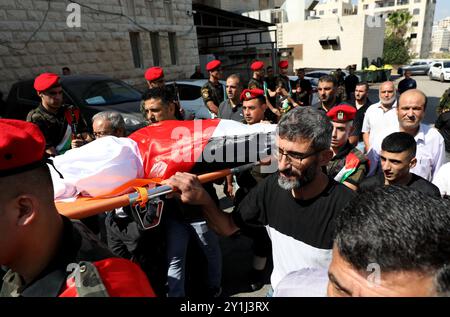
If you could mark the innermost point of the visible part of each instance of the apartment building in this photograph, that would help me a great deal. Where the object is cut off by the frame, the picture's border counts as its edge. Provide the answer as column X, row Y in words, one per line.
column 421, row 26
column 441, row 36
column 335, row 7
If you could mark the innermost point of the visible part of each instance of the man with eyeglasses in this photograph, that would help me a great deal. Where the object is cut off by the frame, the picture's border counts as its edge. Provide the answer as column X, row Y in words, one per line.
column 108, row 123
column 212, row 91
column 63, row 125
column 297, row 205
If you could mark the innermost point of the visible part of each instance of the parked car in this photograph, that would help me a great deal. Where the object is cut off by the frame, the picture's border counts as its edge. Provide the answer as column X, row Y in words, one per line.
column 91, row 93
column 420, row 67
column 189, row 91
column 440, row 70
column 315, row 75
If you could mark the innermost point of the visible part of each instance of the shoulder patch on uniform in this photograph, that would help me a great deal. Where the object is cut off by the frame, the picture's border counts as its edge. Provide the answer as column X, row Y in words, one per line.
column 205, row 93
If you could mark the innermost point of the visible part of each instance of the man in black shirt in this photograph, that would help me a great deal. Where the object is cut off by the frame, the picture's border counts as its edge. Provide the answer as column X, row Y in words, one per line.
column 398, row 152
column 231, row 108
column 303, row 89
column 362, row 103
column 297, row 205
column 350, row 83
column 406, row 83
column 327, row 92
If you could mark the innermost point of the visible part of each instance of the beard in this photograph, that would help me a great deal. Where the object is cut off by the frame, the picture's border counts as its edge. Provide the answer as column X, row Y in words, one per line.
column 297, row 179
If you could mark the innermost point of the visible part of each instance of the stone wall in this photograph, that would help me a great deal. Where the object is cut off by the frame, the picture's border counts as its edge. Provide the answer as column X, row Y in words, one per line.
column 100, row 45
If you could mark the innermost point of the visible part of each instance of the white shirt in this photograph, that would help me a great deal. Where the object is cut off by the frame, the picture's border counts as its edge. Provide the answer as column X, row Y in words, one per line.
column 442, row 179
column 430, row 152
column 379, row 123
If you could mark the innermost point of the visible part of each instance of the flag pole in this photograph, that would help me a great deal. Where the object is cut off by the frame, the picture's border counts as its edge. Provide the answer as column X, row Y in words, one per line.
column 91, row 207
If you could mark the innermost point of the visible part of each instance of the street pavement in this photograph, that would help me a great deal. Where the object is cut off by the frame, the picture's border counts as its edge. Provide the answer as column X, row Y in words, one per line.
column 236, row 251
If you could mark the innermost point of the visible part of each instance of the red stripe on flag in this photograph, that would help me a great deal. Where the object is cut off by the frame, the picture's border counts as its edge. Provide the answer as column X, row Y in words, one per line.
column 172, row 146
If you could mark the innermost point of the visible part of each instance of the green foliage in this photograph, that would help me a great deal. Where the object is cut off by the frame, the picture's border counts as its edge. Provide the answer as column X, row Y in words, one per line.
column 397, row 23
column 395, row 51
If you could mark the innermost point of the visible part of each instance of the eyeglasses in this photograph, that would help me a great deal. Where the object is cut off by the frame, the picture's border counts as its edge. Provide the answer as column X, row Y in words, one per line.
column 100, row 134
column 293, row 157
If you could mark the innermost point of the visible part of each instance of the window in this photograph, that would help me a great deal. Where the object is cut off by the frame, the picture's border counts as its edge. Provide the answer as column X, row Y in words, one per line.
column 416, row 11
column 415, row 23
column 189, row 92
column 108, row 93
column 366, row 6
column 27, row 91
column 136, row 50
column 156, row 48
column 413, row 35
column 416, row 1
column 168, row 10
column 321, row 12
column 173, row 47
column 334, row 11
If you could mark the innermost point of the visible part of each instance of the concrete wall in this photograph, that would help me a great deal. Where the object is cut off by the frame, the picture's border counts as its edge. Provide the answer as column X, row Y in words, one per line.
column 100, row 45
column 357, row 40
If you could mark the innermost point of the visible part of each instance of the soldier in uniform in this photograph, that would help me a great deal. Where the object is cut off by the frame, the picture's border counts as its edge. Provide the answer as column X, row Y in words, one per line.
column 47, row 254
column 213, row 91
column 63, row 125
column 257, row 80
column 155, row 79
column 348, row 165
column 283, row 91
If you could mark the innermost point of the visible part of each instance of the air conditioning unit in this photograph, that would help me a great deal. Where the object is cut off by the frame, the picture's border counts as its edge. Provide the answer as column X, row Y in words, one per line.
column 333, row 41
column 324, row 41
column 327, row 41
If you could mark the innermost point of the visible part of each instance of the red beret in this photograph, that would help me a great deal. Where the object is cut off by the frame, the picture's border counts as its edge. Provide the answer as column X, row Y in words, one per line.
column 249, row 94
column 22, row 146
column 283, row 64
column 342, row 113
column 212, row 65
column 154, row 73
column 258, row 65
column 45, row 81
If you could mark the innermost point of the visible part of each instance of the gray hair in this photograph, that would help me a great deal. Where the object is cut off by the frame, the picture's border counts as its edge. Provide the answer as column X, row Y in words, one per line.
column 306, row 123
column 113, row 117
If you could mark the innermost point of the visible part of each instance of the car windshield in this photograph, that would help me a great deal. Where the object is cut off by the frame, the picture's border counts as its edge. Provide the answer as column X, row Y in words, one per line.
column 446, row 64
column 104, row 92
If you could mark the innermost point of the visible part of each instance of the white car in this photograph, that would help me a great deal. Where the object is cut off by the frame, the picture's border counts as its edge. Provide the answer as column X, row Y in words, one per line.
column 440, row 70
column 189, row 91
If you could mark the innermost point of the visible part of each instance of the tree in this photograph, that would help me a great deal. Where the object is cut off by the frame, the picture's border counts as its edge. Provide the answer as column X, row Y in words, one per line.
column 395, row 51
column 396, row 47
column 397, row 23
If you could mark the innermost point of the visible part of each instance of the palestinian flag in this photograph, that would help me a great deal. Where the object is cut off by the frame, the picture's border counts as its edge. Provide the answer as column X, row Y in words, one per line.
column 111, row 167
column 200, row 146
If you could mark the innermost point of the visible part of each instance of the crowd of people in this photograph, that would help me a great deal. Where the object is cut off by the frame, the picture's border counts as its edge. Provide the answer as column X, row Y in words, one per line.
column 358, row 183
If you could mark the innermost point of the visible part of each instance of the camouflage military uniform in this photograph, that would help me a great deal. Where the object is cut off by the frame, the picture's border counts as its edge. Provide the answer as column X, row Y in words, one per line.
column 55, row 126
column 212, row 92
column 338, row 167
column 78, row 250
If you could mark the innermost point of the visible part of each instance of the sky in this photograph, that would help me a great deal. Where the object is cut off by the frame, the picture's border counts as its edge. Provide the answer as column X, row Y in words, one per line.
column 442, row 9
